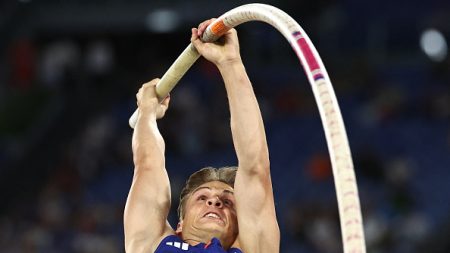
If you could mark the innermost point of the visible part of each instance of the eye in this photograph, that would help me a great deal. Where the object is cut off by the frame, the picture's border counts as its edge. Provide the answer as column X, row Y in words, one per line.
column 228, row 202
column 201, row 197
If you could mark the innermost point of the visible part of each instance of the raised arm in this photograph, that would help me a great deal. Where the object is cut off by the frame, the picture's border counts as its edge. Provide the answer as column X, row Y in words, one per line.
column 258, row 227
column 148, row 203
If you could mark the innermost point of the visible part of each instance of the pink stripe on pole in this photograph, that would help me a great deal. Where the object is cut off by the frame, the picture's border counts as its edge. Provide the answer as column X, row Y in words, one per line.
column 309, row 56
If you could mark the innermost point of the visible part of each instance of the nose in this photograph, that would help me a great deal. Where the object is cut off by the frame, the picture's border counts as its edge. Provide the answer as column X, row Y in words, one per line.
column 214, row 202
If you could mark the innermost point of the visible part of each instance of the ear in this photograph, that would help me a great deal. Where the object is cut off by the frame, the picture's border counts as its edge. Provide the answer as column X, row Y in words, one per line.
column 179, row 228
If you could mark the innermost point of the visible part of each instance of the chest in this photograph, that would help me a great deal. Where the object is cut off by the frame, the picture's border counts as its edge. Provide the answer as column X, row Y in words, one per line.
column 182, row 247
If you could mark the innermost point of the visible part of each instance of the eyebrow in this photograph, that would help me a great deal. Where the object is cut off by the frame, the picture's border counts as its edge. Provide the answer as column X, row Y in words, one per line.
column 209, row 188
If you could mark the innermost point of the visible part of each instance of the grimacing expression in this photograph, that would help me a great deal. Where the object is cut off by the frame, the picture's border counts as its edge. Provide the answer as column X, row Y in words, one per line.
column 211, row 208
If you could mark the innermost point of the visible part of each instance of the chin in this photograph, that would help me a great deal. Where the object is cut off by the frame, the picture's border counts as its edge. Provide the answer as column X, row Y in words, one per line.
column 214, row 228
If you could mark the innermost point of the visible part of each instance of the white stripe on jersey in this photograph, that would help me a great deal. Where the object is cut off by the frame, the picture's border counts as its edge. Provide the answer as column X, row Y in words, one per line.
column 183, row 246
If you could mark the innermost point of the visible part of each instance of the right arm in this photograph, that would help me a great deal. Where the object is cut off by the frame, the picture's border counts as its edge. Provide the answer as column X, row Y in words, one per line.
column 148, row 202
column 258, row 226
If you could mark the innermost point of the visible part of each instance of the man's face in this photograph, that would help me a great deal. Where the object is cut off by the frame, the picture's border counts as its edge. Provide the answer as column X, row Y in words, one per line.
column 210, row 210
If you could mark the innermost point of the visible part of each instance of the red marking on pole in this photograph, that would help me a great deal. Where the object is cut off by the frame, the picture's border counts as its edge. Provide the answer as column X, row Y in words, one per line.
column 308, row 54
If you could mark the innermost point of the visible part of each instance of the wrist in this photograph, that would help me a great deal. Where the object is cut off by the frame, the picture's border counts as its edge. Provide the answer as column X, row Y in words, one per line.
column 229, row 63
column 234, row 75
column 146, row 114
column 231, row 68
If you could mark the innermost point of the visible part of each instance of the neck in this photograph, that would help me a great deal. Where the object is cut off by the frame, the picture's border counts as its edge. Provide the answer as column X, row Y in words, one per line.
column 194, row 239
column 192, row 242
column 206, row 238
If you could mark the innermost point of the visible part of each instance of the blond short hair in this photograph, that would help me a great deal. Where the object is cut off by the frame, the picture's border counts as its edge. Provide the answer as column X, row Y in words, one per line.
column 226, row 175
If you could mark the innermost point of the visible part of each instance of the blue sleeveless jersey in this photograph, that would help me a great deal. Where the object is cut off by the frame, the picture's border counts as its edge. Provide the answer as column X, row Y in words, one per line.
column 174, row 244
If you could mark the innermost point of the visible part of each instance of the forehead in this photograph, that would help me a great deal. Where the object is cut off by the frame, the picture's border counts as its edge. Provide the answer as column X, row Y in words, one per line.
column 215, row 186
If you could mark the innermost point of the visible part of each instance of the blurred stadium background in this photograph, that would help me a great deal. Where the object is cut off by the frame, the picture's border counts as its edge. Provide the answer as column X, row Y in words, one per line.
column 69, row 71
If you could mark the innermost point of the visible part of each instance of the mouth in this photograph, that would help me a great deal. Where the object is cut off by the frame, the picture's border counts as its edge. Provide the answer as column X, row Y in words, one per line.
column 214, row 217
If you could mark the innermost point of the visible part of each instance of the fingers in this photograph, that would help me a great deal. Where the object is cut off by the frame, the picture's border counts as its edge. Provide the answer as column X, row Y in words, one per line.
column 202, row 27
column 166, row 101
column 195, row 40
column 153, row 82
column 194, row 35
column 148, row 98
column 147, row 91
column 163, row 106
column 197, row 33
column 149, row 85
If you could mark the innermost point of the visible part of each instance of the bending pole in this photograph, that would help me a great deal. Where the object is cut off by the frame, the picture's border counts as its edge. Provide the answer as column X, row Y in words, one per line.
column 336, row 136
